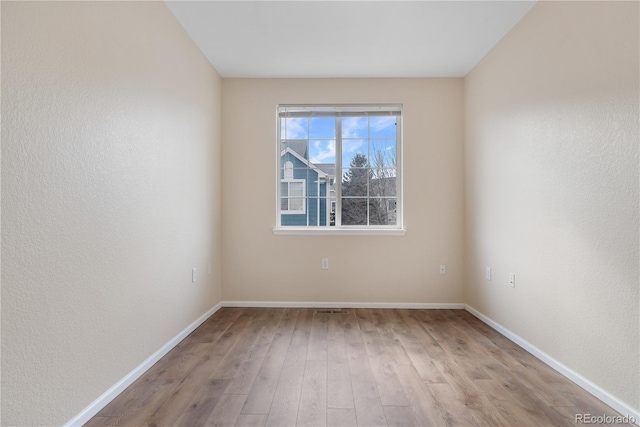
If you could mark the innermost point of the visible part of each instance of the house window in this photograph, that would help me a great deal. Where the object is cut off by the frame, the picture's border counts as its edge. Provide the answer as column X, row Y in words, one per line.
column 292, row 199
column 339, row 167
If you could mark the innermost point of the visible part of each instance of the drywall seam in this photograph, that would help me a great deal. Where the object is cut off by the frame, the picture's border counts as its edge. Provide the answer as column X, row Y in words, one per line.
column 567, row 372
column 94, row 407
column 313, row 304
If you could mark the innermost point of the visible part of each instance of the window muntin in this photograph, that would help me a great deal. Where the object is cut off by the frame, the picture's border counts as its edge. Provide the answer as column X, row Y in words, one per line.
column 292, row 200
column 362, row 144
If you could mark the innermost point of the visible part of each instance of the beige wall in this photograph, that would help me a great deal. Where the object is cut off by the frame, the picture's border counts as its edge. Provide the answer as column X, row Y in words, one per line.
column 111, row 187
column 110, row 195
column 260, row 266
column 551, row 163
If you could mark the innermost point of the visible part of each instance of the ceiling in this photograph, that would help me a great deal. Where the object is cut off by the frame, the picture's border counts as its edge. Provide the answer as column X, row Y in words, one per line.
column 285, row 39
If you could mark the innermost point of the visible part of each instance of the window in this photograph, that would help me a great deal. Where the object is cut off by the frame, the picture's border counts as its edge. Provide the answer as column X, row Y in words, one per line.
column 292, row 199
column 339, row 168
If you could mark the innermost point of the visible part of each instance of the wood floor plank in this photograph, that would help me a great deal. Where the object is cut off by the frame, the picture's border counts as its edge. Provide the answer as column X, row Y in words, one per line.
column 341, row 417
column 420, row 358
column 286, row 399
column 227, row 411
column 231, row 334
column 219, row 323
column 179, row 401
column 381, row 357
column 481, row 409
column 366, row 367
column 240, row 350
column 369, row 410
column 400, row 416
column 202, row 404
column 421, row 401
column 312, row 410
column 251, row 420
column 451, row 410
column 318, row 337
column 504, row 403
column 339, row 391
column 264, row 386
column 569, row 413
column 248, row 370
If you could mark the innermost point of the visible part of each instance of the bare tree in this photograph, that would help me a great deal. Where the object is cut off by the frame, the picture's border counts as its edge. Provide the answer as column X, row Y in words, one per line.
column 383, row 187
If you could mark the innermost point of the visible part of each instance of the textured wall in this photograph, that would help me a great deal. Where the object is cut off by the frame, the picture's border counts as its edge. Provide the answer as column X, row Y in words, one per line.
column 110, row 195
column 261, row 266
column 551, row 162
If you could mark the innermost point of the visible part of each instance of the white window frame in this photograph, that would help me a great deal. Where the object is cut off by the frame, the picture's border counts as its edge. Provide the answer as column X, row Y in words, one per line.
column 303, row 197
column 340, row 111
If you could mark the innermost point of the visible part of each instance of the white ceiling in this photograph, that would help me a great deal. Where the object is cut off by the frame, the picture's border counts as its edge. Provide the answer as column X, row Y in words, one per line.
column 346, row 38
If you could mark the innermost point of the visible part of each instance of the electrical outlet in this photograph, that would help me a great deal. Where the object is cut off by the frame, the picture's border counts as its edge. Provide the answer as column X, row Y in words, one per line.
column 512, row 280
column 443, row 269
column 487, row 273
column 325, row 263
column 194, row 275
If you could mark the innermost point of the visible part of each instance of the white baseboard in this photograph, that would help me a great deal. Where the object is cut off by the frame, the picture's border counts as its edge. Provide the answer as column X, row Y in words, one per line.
column 305, row 304
column 94, row 407
column 597, row 391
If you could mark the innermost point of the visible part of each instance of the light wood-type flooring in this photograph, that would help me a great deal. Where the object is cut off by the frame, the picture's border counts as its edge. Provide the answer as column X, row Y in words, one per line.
column 365, row 367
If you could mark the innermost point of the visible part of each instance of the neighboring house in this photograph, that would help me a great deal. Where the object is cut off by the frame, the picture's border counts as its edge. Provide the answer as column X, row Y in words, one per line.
column 307, row 194
column 307, row 190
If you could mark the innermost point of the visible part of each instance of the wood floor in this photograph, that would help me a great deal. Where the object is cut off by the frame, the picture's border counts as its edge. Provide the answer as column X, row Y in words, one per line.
column 365, row 367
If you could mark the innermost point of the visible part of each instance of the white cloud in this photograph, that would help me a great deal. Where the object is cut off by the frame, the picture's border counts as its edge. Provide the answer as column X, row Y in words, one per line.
column 380, row 123
column 353, row 127
column 327, row 152
column 296, row 128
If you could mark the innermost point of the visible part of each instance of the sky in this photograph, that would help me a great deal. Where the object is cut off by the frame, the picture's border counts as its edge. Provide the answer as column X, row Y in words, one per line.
column 360, row 135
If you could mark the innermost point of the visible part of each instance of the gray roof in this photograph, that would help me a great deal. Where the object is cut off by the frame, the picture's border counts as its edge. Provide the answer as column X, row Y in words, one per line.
column 299, row 146
column 328, row 168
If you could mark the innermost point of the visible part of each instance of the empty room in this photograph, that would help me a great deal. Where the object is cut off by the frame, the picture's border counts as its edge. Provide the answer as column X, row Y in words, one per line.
column 176, row 248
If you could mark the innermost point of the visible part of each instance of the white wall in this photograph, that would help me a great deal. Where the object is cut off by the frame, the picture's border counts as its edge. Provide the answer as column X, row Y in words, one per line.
column 261, row 266
column 110, row 195
column 551, row 163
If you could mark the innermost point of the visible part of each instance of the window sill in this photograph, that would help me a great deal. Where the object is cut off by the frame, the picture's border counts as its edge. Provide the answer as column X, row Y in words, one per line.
column 304, row 231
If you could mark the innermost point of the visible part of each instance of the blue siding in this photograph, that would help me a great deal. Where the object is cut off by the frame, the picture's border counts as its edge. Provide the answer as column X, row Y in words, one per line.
column 301, row 171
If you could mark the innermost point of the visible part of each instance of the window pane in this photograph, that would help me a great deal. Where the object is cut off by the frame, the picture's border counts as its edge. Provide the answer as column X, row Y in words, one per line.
column 284, row 204
column 329, row 170
column 294, row 147
column 382, row 127
column 296, row 204
column 295, row 128
column 354, row 211
column 322, row 127
column 354, row 153
column 382, row 183
column 382, row 153
column 355, row 127
column 296, row 189
column 284, row 189
column 382, row 211
column 322, row 151
column 355, row 182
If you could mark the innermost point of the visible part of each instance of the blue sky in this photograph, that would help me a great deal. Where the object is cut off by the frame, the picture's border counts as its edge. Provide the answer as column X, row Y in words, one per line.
column 356, row 132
